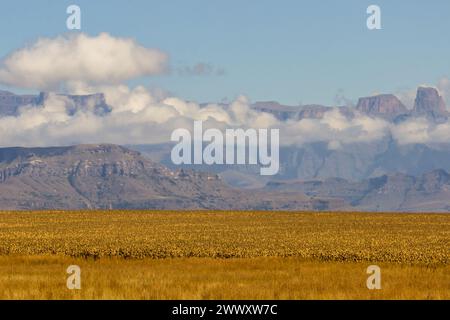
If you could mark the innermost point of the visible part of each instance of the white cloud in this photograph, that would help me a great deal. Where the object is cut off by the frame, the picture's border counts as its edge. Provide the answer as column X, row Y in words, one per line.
column 59, row 62
column 136, row 117
column 421, row 130
column 334, row 128
column 412, row 131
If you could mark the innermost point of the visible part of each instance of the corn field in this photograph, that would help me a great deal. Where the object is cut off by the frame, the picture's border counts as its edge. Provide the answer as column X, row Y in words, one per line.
column 346, row 237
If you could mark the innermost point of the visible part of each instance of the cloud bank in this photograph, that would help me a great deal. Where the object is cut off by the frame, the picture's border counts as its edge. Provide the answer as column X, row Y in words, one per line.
column 140, row 117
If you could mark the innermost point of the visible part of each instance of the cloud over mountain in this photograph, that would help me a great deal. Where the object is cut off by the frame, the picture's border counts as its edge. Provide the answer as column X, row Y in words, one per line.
column 137, row 116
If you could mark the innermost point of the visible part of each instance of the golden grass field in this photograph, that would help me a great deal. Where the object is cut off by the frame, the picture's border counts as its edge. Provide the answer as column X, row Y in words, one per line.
column 223, row 255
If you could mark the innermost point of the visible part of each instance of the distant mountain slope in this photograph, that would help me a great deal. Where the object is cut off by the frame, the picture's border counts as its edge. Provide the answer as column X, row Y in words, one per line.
column 97, row 176
column 110, row 176
column 429, row 192
column 354, row 162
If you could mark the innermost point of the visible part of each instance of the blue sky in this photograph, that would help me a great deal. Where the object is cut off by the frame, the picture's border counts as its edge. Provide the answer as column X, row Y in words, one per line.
column 289, row 51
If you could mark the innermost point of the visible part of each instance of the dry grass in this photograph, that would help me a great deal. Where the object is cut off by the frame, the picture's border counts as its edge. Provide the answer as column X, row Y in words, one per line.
column 207, row 278
column 223, row 255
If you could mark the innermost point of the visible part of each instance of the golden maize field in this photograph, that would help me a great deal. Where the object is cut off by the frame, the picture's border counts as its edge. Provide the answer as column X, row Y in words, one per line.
column 402, row 238
column 223, row 255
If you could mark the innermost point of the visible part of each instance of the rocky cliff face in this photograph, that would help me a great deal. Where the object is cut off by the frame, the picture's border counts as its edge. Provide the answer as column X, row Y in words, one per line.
column 386, row 106
column 429, row 103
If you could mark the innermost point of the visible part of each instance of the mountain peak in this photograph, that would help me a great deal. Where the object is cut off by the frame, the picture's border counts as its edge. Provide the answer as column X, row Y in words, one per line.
column 429, row 102
column 386, row 106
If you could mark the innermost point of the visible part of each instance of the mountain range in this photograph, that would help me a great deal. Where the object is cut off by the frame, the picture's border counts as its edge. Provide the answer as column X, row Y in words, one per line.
column 428, row 103
column 382, row 175
column 111, row 176
column 114, row 177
